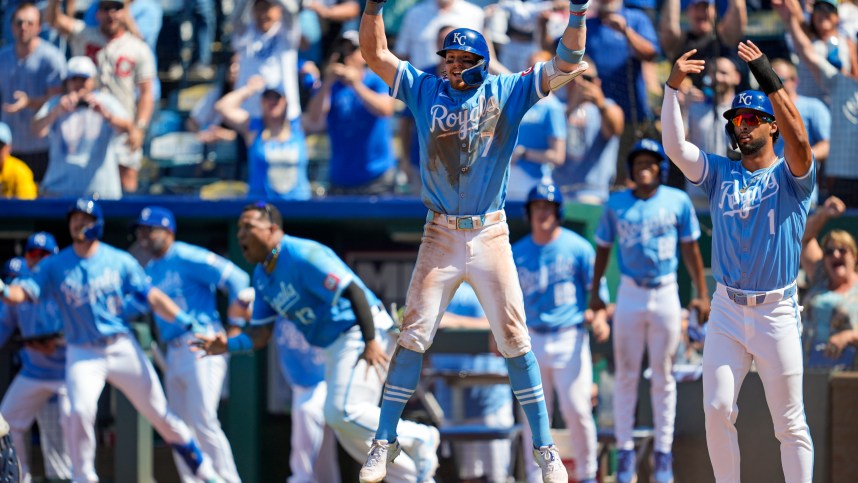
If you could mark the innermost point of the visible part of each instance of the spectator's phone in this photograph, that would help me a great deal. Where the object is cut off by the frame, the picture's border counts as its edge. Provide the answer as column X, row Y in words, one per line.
column 82, row 103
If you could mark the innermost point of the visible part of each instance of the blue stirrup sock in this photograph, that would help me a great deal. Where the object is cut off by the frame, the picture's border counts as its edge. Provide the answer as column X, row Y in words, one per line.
column 402, row 379
column 191, row 454
column 527, row 386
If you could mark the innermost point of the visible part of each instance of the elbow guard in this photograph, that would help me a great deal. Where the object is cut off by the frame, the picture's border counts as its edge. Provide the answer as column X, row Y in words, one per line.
column 558, row 78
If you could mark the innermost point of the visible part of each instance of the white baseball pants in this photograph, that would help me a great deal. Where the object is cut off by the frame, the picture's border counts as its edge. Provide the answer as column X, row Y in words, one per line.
column 566, row 367
column 646, row 318
column 483, row 258
column 23, row 402
column 194, row 386
column 313, row 455
column 770, row 336
column 351, row 407
column 122, row 363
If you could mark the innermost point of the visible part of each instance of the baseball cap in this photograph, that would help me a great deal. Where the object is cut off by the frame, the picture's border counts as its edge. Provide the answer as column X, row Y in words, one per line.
column 5, row 134
column 14, row 268
column 827, row 4
column 81, row 66
column 41, row 240
column 120, row 3
column 157, row 217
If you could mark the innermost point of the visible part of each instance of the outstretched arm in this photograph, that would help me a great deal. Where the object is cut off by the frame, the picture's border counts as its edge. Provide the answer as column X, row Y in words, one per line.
column 685, row 155
column 567, row 63
column 797, row 152
column 373, row 43
column 694, row 263
column 811, row 252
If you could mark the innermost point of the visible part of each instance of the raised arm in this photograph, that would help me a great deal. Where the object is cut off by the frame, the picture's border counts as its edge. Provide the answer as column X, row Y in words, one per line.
column 797, row 151
column 229, row 106
column 567, row 63
column 685, row 155
column 58, row 19
column 669, row 30
column 811, row 252
column 731, row 28
column 373, row 43
column 791, row 14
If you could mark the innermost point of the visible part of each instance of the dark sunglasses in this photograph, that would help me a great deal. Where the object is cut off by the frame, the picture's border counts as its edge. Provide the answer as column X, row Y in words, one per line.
column 750, row 119
column 832, row 250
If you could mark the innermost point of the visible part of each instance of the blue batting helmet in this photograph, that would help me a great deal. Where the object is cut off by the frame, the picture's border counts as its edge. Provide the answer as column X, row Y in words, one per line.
column 157, row 217
column 651, row 146
column 468, row 40
column 91, row 207
column 548, row 192
column 14, row 268
column 41, row 240
column 754, row 100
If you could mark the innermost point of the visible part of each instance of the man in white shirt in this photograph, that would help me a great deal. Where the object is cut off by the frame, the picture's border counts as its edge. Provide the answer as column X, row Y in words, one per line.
column 417, row 39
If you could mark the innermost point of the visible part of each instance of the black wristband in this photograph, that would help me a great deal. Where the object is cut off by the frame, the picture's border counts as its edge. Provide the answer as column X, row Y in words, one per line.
column 765, row 75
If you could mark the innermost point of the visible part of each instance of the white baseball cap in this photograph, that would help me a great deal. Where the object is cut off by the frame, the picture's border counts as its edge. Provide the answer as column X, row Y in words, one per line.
column 81, row 66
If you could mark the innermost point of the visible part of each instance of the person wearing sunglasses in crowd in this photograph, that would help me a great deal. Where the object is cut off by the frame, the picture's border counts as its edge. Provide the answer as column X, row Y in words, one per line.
column 759, row 207
column 831, row 301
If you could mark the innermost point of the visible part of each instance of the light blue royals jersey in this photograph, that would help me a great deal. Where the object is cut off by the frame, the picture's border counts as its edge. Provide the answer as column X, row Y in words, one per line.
column 555, row 279
column 757, row 222
column 35, row 319
column 301, row 363
column 90, row 293
column 190, row 275
column 306, row 287
column 466, row 137
column 647, row 231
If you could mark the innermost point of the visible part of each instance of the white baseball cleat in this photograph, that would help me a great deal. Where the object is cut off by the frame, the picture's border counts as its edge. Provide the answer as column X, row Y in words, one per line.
column 548, row 459
column 380, row 454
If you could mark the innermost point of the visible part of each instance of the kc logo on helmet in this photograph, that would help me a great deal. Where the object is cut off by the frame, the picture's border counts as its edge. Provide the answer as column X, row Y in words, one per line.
column 745, row 99
column 459, row 38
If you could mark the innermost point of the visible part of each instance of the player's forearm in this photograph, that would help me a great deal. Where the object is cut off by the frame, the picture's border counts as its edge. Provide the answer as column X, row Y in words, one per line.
column 694, row 264
column 599, row 267
column 145, row 105
column 797, row 151
column 163, row 305
column 669, row 31
column 686, row 156
column 574, row 40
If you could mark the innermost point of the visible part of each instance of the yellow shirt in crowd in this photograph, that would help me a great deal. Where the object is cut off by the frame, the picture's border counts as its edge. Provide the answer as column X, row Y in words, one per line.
column 16, row 180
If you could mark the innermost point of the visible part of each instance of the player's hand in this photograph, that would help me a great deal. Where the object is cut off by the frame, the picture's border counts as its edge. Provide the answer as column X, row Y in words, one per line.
column 684, row 66
column 256, row 84
column 21, row 101
column 748, row 51
column 833, row 207
column 838, row 342
column 209, row 345
column 598, row 321
column 596, row 303
column 702, row 306
column 375, row 357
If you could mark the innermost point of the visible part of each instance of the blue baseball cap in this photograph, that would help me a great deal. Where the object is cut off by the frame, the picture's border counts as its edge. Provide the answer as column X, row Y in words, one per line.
column 5, row 134
column 41, row 240
column 14, row 268
column 157, row 217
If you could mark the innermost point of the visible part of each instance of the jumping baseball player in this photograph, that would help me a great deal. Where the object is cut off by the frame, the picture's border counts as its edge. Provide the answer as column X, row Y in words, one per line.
column 191, row 276
column 555, row 266
column 93, row 284
column 308, row 284
column 759, row 208
column 648, row 222
column 9, row 470
column 42, row 377
column 467, row 125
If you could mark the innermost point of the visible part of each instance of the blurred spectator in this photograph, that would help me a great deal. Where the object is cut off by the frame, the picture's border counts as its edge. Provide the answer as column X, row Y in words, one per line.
column 489, row 405
column 417, row 39
column 33, row 72
column 528, row 24
column 277, row 154
column 84, row 126
column 210, row 126
column 267, row 45
column 355, row 105
column 594, row 124
column 126, row 69
column 713, row 37
column 832, row 298
column 830, row 44
column 343, row 13
column 144, row 21
column 841, row 171
column 618, row 40
column 16, row 179
column 814, row 114
column 541, row 142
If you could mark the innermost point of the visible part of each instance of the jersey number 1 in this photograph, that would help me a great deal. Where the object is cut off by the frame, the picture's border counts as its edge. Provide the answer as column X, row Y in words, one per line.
column 772, row 222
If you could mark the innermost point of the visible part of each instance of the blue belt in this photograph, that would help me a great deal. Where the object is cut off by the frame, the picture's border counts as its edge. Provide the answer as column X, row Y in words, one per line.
column 753, row 299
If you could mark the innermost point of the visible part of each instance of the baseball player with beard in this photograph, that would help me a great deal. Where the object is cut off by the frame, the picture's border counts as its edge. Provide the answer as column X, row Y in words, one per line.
column 93, row 285
column 191, row 275
column 467, row 122
column 648, row 222
column 307, row 283
column 555, row 266
column 759, row 208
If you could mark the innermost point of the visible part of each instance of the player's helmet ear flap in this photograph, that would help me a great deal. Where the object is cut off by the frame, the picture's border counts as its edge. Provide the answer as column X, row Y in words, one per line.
column 468, row 40
column 647, row 145
column 91, row 207
column 753, row 100
column 548, row 192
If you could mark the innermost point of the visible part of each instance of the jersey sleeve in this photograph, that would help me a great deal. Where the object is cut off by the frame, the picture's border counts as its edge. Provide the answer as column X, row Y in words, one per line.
column 802, row 186
column 606, row 231
column 213, row 269
column 323, row 274
column 689, row 225
column 38, row 283
column 135, row 286
column 522, row 89
column 263, row 313
column 409, row 83
column 708, row 180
